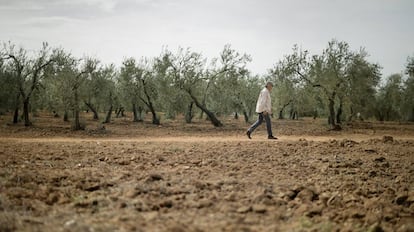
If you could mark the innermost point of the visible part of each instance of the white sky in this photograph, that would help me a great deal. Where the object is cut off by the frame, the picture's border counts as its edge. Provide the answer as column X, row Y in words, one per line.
column 266, row 29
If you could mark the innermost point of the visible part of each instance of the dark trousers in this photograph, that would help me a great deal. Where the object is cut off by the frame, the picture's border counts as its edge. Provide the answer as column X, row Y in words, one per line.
column 259, row 121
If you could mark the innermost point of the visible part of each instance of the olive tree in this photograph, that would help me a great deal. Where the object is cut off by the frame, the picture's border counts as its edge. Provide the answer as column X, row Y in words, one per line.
column 109, row 96
column 147, row 77
column 389, row 99
column 249, row 89
column 187, row 72
column 407, row 99
column 172, row 100
column 284, row 88
column 138, row 81
column 28, row 72
column 332, row 73
column 225, row 81
column 129, row 88
column 190, row 74
column 408, row 91
column 99, row 91
column 71, row 75
column 9, row 92
column 361, row 87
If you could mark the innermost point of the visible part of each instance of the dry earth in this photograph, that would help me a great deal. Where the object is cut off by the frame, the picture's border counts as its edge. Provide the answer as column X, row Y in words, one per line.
column 180, row 177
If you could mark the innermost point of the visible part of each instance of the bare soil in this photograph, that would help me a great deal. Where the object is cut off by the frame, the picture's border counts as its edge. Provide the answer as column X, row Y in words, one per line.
column 193, row 177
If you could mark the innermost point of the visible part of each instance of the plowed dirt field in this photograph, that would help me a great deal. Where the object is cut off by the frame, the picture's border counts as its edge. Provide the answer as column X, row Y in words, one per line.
column 194, row 177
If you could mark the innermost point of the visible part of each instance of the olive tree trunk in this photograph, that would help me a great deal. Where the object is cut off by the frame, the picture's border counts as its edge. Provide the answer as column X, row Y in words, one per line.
column 108, row 115
column 94, row 111
column 210, row 114
column 189, row 114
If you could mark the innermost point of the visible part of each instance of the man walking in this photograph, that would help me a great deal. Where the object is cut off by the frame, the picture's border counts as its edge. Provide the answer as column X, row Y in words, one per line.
column 264, row 109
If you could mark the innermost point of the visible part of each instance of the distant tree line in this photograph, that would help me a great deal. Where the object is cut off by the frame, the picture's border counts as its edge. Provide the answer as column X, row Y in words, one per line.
column 339, row 84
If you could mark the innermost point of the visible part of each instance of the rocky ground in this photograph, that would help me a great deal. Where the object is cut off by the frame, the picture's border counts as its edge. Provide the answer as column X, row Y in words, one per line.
column 178, row 177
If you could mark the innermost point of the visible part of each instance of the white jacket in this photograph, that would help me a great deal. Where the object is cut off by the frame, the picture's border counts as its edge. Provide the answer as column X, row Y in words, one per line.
column 264, row 103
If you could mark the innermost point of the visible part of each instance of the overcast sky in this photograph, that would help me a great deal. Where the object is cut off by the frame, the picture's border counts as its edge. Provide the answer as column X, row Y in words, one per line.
column 265, row 29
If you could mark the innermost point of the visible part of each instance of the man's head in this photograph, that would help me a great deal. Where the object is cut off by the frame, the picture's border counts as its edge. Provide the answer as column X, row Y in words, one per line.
column 269, row 85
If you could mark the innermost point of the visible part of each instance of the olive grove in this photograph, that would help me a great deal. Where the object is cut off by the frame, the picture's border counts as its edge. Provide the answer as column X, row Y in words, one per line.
column 339, row 83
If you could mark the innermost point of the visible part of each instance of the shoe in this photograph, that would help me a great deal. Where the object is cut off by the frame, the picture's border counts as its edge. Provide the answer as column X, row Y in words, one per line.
column 248, row 133
column 271, row 137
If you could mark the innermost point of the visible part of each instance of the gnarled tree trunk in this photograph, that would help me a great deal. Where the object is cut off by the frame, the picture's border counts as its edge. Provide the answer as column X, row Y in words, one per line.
column 210, row 114
column 16, row 110
column 120, row 112
column 16, row 115
column 189, row 114
column 331, row 119
column 27, row 121
column 76, row 123
column 246, row 116
column 155, row 119
column 283, row 108
column 148, row 102
column 108, row 115
column 339, row 113
column 92, row 108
